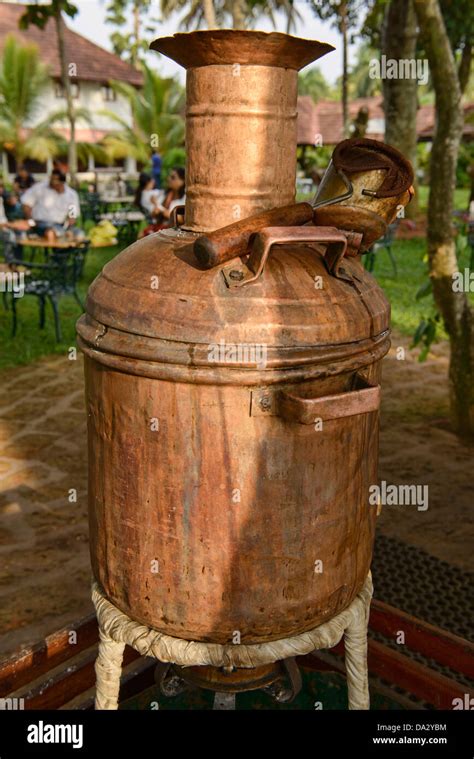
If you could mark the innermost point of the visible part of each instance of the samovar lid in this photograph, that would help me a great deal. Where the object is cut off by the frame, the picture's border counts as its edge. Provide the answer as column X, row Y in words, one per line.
column 228, row 46
column 155, row 304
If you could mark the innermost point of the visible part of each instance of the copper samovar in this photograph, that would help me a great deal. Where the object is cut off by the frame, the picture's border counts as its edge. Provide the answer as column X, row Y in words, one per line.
column 233, row 410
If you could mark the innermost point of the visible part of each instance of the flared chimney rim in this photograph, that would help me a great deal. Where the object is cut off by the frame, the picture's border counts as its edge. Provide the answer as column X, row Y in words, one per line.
column 231, row 46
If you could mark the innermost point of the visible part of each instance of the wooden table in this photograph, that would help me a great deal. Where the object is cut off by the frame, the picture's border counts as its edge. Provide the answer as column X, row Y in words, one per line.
column 40, row 242
column 131, row 216
column 120, row 200
column 48, row 247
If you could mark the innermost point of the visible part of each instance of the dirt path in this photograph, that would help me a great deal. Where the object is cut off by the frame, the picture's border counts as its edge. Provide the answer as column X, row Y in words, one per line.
column 44, row 561
column 417, row 447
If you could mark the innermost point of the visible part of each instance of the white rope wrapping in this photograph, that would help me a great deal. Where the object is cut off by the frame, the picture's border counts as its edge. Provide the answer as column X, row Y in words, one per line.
column 108, row 668
column 355, row 657
column 117, row 629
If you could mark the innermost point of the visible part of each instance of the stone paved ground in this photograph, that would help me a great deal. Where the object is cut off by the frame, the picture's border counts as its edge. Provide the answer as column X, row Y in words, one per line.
column 44, row 560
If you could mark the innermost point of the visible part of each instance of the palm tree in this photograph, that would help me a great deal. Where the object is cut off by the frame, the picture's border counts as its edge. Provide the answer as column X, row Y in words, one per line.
column 59, row 120
column 345, row 15
column 23, row 81
column 312, row 82
column 361, row 84
column 132, row 45
column 156, row 116
column 210, row 12
column 39, row 14
column 243, row 13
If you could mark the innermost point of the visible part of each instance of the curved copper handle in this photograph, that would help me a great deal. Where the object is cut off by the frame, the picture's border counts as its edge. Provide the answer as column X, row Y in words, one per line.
column 262, row 242
column 294, row 408
column 177, row 210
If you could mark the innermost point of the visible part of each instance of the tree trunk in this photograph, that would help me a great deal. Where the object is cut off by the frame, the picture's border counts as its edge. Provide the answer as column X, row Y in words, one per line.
column 136, row 34
column 453, row 306
column 238, row 14
column 345, row 105
column 209, row 13
column 66, row 82
column 399, row 35
column 18, row 147
column 465, row 66
column 19, row 157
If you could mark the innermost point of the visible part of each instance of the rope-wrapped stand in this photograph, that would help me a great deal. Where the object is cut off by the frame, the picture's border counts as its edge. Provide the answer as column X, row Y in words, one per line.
column 117, row 630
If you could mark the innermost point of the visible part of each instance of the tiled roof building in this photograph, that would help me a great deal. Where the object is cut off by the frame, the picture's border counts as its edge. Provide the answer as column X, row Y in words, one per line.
column 93, row 63
column 323, row 120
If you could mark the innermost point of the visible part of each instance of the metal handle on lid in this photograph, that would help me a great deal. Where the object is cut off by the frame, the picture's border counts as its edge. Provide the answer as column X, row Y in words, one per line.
column 237, row 275
column 177, row 211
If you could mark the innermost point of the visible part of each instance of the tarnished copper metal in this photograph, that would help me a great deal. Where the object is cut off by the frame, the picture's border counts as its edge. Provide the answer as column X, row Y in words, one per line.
column 241, row 92
column 213, row 502
column 361, row 400
column 234, row 681
column 350, row 218
column 336, row 248
column 229, row 242
column 382, row 185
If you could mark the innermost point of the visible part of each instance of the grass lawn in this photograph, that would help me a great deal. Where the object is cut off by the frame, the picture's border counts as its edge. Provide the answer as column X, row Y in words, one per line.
column 31, row 342
column 412, row 273
column 461, row 198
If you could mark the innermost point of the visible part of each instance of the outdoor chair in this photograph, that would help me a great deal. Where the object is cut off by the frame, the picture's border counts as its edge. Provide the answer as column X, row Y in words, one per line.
column 9, row 251
column 91, row 206
column 48, row 281
column 385, row 243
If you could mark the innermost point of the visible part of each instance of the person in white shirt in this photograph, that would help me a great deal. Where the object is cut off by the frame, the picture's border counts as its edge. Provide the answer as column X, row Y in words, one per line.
column 146, row 197
column 52, row 206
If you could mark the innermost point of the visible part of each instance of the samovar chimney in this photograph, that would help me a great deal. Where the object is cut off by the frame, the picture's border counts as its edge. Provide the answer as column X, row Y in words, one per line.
column 241, row 94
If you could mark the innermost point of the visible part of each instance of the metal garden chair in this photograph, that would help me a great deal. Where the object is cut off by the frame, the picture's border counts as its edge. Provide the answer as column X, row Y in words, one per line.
column 91, row 206
column 385, row 243
column 48, row 281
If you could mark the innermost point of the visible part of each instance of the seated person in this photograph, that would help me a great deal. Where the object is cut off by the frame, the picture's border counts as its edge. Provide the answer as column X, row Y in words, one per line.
column 174, row 195
column 12, row 230
column 13, row 207
column 52, row 208
column 147, row 198
column 159, row 204
column 23, row 180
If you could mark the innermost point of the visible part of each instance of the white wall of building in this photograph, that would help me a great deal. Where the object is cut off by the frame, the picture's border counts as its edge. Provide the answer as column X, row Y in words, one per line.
column 91, row 98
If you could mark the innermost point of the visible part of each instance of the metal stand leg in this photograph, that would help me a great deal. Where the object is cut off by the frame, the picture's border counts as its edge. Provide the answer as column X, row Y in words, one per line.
column 355, row 643
column 224, row 702
column 108, row 668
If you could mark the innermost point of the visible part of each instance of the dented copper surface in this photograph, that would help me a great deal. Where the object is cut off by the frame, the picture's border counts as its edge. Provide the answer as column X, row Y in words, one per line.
column 233, row 430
